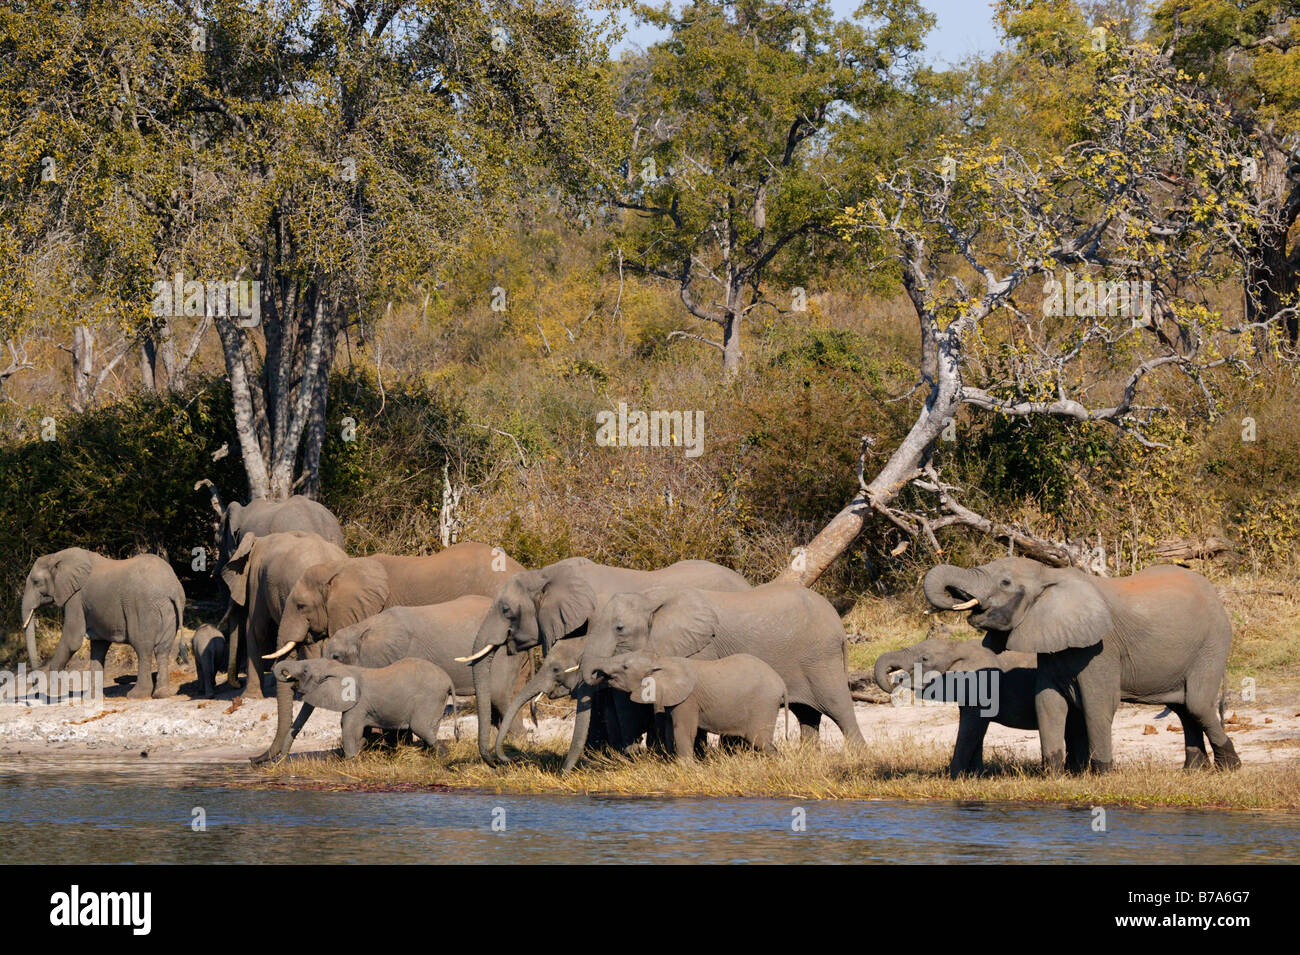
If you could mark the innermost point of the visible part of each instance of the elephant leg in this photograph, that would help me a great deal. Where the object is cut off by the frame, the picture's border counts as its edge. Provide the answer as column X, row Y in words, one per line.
column 425, row 727
column 1052, row 710
column 1076, row 742
column 700, row 745
column 968, row 754
column 1099, row 706
column 1193, row 738
column 162, row 656
column 1206, row 713
column 353, row 728
column 684, row 730
column 144, row 662
column 836, row 703
column 810, row 721
column 98, row 654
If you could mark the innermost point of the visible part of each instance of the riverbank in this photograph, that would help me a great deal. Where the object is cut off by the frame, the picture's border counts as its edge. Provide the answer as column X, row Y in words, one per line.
column 908, row 750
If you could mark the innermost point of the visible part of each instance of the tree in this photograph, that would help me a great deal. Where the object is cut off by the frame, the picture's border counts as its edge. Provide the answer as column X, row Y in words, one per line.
column 1153, row 206
column 1248, row 52
column 730, row 118
column 279, row 170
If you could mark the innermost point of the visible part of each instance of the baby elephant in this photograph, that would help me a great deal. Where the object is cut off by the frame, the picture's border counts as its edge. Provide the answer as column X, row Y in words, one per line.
column 211, row 656
column 409, row 694
column 738, row 696
column 556, row 678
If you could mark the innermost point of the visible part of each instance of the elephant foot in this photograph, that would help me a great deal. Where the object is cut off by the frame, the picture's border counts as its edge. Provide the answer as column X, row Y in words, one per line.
column 1226, row 757
column 161, row 692
column 1054, row 763
column 1195, row 759
column 1102, row 766
column 139, row 692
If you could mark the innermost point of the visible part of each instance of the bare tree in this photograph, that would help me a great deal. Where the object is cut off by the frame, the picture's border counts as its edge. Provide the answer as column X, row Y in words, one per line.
column 1130, row 230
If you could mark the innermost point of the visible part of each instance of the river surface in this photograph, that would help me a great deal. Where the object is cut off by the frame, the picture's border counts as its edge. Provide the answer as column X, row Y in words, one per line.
column 197, row 813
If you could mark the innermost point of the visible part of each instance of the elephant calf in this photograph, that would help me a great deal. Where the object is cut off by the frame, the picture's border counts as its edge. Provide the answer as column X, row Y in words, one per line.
column 557, row 678
column 738, row 696
column 409, row 694
column 990, row 688
column 211, row 656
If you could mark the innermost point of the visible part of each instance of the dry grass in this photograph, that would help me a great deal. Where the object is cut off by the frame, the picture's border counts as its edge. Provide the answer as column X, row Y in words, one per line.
column 891, row 771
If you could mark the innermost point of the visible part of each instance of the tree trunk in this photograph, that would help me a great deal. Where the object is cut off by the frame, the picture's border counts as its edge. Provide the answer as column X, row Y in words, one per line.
column 1270, row 274
column 83, row 366
column 943, row 351
column 148, row 364
column 731, row 356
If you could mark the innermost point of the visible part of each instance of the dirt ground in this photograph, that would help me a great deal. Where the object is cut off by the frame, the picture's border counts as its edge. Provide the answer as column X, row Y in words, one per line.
column 227, row 730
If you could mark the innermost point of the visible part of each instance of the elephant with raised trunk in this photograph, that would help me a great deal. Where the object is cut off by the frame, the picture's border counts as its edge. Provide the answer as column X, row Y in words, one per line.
column 554, row 603
column 331, row 596
column 137, row 601
column 439, row 633
column 1012, row 677
column 1160, row 636
column 792, row 629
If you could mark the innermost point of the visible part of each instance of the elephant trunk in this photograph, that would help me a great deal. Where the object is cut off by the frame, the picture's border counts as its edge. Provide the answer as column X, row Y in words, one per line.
column 896, row 660
column 540, row 683
column 585, row 694
column 30, row 602
column 951, row 588
column 487, row 643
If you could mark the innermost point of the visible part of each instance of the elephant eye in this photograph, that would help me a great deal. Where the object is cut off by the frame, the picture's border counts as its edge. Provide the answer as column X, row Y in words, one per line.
column 1006, row 581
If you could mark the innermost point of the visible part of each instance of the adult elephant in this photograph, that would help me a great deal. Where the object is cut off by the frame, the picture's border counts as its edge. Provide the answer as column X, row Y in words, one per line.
column 137, row 601
column 988, row 688
column 1160, row 636
column 262, row 517
column 260, row 575
column 554, row 603
column 794, row 630
column 440, row 633
column 336, row 594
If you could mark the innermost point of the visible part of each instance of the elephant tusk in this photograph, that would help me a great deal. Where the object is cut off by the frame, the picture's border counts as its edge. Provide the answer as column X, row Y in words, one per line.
column 966, row 605
column 574, row 669
column 476, row 656
column 282, row 651
column 538, row 697
column 31, row 613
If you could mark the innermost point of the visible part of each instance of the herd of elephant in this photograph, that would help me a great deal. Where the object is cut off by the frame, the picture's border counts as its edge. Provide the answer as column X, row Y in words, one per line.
column 667, row 655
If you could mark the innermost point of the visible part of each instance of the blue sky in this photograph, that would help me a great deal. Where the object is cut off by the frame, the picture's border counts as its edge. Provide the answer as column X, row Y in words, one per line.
column 964, row 27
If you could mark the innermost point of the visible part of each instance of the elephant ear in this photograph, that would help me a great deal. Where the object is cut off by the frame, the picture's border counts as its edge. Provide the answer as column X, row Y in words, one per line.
column 1067, row 613
column 235, row 570
column 332, row 688
column 69, row 573
column 673, row 683
column 565, row 604
column 356, row 590
column 682, row 622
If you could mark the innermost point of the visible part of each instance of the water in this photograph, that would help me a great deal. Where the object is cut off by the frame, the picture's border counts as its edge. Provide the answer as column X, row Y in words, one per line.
column 116, row 812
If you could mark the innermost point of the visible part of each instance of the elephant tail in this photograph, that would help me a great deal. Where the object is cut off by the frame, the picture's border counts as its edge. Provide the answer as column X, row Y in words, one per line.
column 785, row 703
column 1223, row 692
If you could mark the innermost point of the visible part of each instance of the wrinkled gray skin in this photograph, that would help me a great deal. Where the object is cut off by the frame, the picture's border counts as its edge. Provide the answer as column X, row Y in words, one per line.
column 738, row 696
column 263, row 517
column 211, row 656
column 259, row 576
column 554, row 603
column 438, row 633
column 1014, row 688
column 556, row 678
column 137, row 601
column 336, row 594
column 409, row 694
column 1160, row 636
column 791, row 628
